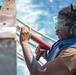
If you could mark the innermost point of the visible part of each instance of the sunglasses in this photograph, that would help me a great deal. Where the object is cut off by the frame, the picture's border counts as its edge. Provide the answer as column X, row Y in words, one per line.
column 59, row 23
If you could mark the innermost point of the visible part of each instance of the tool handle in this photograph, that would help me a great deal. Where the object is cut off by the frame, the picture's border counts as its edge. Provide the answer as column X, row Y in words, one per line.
column 39, row 55
column 40, row 42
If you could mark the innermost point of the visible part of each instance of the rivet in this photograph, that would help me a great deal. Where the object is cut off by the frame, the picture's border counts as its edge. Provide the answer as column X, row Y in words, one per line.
column 4, row 23
column 7, row 8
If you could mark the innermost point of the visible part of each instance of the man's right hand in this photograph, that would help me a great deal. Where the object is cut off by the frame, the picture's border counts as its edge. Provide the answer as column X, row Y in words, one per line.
column 39, row 49
column 25, row 35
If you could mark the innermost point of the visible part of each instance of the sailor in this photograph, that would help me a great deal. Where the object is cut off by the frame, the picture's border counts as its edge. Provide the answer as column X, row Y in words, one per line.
column 61, row 58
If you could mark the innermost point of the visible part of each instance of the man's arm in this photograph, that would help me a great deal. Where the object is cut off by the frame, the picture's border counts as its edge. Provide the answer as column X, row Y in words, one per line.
column 31, row 62
column 55, row 67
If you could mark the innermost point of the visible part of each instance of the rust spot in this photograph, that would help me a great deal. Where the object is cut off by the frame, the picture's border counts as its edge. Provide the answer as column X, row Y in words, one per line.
column 7, row 8
column 4, row 23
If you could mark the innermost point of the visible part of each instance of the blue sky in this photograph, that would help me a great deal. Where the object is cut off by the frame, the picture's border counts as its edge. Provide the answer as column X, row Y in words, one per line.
column 38, row 14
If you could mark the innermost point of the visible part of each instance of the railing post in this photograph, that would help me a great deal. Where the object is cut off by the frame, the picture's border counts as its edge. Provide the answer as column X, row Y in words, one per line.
column 7, row 38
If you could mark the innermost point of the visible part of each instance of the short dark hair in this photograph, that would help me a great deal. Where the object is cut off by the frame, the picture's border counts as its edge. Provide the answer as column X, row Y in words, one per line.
column 68, row 12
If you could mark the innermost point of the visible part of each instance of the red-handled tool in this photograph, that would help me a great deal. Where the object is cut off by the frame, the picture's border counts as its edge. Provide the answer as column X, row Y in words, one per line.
column 42, row 43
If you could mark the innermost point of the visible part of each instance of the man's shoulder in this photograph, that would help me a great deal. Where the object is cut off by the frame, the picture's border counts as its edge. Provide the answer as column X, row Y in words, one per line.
column 68, row 52
column 68, row 56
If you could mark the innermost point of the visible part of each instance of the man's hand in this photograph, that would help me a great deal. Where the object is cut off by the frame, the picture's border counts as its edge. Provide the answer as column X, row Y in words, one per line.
column 39, row 49
column 25, row 35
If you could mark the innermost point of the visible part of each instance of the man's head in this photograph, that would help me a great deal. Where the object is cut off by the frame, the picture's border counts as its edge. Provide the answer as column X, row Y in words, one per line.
column 69, row 12
column 66, row 18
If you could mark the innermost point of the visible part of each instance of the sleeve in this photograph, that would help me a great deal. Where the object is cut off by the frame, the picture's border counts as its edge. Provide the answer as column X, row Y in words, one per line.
column 68, row 56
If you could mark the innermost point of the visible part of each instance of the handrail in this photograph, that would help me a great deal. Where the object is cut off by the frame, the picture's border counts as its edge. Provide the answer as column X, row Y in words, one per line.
column 36, row 31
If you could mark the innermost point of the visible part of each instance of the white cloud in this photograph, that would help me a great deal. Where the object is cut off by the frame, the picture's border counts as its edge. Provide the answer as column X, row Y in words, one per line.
column 42, row 31
column 29, row 14
column 24, row 1
column 60, row 6
column 21, row 64
column 51, row 0
column 31, row 17
column 21, row 5
column 24, row 68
